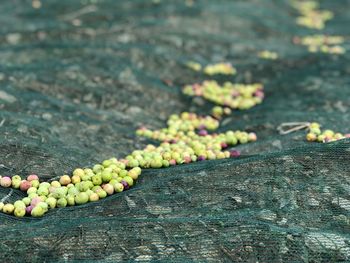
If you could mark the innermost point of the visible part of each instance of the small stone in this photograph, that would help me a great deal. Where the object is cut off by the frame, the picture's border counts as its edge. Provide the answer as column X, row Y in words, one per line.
column 46, row 116
column 267, row 215
column 13, row 38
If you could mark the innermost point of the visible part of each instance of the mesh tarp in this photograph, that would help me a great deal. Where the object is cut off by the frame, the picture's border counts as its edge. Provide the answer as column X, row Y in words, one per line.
column 78, row 77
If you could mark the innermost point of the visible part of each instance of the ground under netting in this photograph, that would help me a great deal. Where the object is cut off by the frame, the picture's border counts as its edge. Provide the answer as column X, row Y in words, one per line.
column 77, row 78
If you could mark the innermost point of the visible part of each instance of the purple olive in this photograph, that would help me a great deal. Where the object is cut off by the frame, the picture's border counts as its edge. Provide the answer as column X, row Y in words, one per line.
column 200, row 158
column 202, row 133
column 235, row 153
column 29, row 209
column 125, row 184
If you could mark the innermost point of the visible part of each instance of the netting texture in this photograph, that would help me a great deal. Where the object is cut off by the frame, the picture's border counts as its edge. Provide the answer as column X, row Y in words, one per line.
column 78, row 77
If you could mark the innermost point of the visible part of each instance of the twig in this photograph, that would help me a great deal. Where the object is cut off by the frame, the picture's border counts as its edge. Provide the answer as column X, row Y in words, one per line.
column 6, row 196
column 289, row 127
column 84, row 10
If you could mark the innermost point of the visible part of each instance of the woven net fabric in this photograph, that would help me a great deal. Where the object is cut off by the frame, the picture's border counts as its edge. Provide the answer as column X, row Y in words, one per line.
column 77, row 78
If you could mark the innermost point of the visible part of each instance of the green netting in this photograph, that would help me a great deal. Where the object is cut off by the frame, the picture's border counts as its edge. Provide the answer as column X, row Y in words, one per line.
column 78, row 77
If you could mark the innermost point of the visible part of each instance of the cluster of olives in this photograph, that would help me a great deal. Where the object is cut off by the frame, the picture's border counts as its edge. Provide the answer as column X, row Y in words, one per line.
column 85, row 185
column 266, row 54
column 223, row 68
column 311, row 16
column 194, row 66
column 185, row 140
column 187, row 121
column 220, row 68
column 314, row 18
column 322, row 43
column 218, row 112
column 234, row 96
column 315, row 134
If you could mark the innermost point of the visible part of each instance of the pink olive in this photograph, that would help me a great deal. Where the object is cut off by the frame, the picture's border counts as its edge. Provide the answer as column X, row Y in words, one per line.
column 32, row 177
column 187, row 159
column 223, row 145
column 108, row 188
column 52, row 189
column 29, row 209
column 259, row 94
column 124, row 161
column 202, row 133
column 35, row 201
column 25, row 185
column 5, row 181
column 252, row 137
